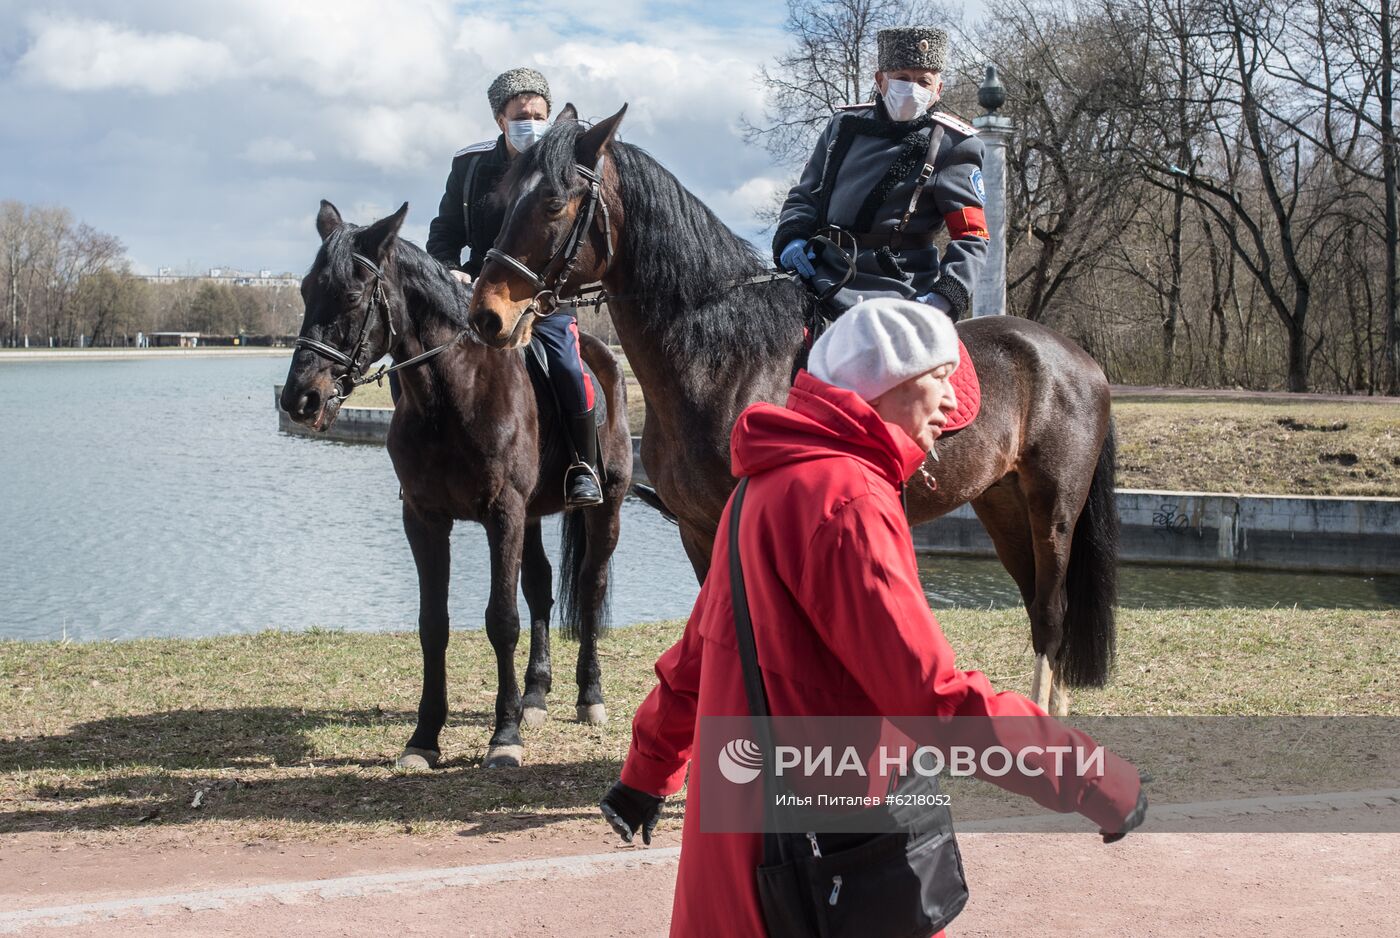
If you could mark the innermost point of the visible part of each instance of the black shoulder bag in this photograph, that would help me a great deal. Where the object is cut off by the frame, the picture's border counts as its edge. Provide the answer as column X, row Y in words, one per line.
column 904, row 883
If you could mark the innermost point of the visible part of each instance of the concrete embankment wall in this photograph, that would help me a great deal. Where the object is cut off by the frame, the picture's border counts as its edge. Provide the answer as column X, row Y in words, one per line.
column 1344, row 535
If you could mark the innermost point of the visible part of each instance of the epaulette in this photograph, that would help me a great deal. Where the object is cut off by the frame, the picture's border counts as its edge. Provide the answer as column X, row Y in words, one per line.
column 484, row 146
column 854, row 107
column 953, row 122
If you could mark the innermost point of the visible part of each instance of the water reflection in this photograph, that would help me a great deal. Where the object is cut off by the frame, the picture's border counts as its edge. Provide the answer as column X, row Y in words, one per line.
column 973, row 582
column 149, row 498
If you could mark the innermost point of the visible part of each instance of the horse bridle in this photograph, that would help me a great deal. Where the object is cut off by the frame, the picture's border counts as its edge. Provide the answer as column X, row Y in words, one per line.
column 355, row 370
column 548, row 286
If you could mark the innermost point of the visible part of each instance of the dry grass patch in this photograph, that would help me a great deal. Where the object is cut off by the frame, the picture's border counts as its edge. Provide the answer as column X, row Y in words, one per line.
column 294, row 734
column 1263, row 448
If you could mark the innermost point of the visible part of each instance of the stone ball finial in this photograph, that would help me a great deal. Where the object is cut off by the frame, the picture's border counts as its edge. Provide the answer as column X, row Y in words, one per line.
column 992, row 94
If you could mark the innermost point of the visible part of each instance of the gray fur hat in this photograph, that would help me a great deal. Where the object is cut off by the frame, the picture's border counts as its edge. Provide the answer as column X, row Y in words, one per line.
column 517, row 81
column 913, row 47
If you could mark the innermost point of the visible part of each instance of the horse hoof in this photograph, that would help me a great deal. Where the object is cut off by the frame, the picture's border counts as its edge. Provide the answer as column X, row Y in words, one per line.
column 534, row 716
column 504, row 757
column 592, row 714
column 417, row 760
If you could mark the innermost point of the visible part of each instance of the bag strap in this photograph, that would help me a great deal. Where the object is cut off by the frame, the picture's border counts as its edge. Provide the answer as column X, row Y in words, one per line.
column 775, row 846
column 743, row 624
column 935, row 140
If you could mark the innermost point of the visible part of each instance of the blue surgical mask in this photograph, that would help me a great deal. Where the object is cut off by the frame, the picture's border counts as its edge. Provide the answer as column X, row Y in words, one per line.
column 523, row 134
column 905, row 100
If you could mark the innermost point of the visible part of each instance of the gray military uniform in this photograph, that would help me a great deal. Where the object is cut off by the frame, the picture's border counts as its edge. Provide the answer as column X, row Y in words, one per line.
column 861, row 178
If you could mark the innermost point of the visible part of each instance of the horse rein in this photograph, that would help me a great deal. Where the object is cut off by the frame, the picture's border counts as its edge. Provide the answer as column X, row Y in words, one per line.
column 547, row 286
column 355, row 371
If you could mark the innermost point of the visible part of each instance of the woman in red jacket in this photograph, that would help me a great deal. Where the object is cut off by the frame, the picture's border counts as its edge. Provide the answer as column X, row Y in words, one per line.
column 840, row 619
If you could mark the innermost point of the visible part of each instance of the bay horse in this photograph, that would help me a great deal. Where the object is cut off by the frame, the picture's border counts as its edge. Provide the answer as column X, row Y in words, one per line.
column 468, row 443
column 705, row 341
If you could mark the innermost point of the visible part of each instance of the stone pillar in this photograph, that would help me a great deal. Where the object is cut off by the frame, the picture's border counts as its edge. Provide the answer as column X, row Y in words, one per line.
column 989, row 297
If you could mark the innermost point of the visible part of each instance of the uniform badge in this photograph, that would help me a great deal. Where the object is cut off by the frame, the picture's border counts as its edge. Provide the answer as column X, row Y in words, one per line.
column 977, row 186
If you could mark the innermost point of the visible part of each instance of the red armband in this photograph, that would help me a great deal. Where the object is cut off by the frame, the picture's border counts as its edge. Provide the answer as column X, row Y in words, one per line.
column 967, row 222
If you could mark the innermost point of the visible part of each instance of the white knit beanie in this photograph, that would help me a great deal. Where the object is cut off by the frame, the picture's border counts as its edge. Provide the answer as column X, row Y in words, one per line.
column 879, row 343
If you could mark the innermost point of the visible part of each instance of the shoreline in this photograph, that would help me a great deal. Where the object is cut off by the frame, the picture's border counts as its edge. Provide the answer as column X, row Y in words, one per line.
column 124, row 354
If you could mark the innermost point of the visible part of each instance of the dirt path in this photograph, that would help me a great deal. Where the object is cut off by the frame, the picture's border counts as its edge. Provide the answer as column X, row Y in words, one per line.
column 570, row 879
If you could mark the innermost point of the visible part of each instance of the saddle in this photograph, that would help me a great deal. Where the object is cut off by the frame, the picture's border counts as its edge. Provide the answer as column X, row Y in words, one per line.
column 537, row 367
column 969, row 391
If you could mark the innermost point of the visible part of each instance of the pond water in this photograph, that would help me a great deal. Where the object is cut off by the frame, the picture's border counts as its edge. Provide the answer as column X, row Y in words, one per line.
column 157, row 497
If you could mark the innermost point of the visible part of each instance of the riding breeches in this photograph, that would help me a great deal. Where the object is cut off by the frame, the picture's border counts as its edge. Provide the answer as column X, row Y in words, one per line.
column 559, row 336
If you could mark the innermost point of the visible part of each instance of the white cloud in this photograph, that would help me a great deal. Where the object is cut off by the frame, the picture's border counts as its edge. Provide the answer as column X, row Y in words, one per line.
column 268, row 105
column 90, row 55
column 363, row 49
column 396, row 138
column 744, row 200
column 272, row 150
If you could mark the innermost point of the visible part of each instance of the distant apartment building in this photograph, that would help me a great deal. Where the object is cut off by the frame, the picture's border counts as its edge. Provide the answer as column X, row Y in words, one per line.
column 227, row 276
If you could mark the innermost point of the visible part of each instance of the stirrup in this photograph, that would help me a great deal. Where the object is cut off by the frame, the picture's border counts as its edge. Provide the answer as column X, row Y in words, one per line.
column 580, row 464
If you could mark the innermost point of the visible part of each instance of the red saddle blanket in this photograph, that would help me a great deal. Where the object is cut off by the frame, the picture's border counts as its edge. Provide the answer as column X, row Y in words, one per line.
column 968, row 389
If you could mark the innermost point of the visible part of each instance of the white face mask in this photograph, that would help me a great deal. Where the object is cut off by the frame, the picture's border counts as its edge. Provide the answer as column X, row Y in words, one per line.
column 905, row 100
column 523, row 134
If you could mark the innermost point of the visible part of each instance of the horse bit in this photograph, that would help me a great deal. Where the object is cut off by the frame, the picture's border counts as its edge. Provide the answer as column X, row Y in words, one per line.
column 546, row 301
column 355, row 371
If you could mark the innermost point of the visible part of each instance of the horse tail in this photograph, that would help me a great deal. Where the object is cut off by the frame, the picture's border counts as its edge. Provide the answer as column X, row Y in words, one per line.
column 1091, row 582
column 573, row 535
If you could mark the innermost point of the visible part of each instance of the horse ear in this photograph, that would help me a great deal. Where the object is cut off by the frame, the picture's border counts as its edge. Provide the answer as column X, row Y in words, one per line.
column 327, row 220
column 593, row 141
column 569, row 113
column 377, row 240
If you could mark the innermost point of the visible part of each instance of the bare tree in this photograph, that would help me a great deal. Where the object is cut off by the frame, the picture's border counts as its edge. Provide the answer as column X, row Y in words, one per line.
column 1073, row 161
column 831, row 62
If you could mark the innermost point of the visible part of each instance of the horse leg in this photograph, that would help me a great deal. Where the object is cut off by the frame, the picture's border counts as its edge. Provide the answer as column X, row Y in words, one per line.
column 1003, row 512
column 601, row 525
column 698, row 546
column 429, row 539
column 505, row 530
column 1052, row 514
column 536, row 578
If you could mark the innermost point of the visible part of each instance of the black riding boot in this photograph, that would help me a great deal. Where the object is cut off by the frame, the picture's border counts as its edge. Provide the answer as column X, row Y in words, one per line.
column 581, row 486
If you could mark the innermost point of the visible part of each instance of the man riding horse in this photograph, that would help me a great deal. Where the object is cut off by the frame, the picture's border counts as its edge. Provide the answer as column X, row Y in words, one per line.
column 467, row 217
column 884, row 179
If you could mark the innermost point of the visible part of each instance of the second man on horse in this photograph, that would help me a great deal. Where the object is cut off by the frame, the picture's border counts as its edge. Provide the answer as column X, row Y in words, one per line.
column 468, row 218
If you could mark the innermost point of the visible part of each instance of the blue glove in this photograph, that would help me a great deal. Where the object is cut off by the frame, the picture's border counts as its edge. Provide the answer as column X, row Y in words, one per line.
column 937, row 300
column 796, row 257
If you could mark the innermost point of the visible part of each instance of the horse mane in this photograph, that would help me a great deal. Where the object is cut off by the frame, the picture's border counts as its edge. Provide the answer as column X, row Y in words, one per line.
column 423, row 279
column 681, row 262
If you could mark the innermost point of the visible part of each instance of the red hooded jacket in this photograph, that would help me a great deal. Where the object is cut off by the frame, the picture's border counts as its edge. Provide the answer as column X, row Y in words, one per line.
column 830, row 572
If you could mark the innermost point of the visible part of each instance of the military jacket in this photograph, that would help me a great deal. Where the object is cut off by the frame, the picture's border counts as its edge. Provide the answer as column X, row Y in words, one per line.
column 861, row 177
column 467, row 216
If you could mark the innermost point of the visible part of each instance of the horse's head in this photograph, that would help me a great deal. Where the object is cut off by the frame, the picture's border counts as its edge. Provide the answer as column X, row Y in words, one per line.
column 349, row 320
column 558, row 229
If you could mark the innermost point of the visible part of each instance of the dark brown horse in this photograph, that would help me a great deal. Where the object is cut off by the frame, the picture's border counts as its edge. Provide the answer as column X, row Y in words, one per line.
column 705, row 342
column 468, row 443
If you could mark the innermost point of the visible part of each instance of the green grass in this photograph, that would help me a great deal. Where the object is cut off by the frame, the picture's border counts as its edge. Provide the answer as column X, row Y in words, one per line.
column 294, row 734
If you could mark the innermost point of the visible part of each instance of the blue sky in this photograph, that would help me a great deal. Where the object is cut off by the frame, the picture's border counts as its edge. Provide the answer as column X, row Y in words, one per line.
column 205, row 133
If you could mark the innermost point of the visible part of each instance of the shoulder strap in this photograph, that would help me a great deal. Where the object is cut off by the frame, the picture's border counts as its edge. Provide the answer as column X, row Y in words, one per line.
column 935, row 140
column 948, row 118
